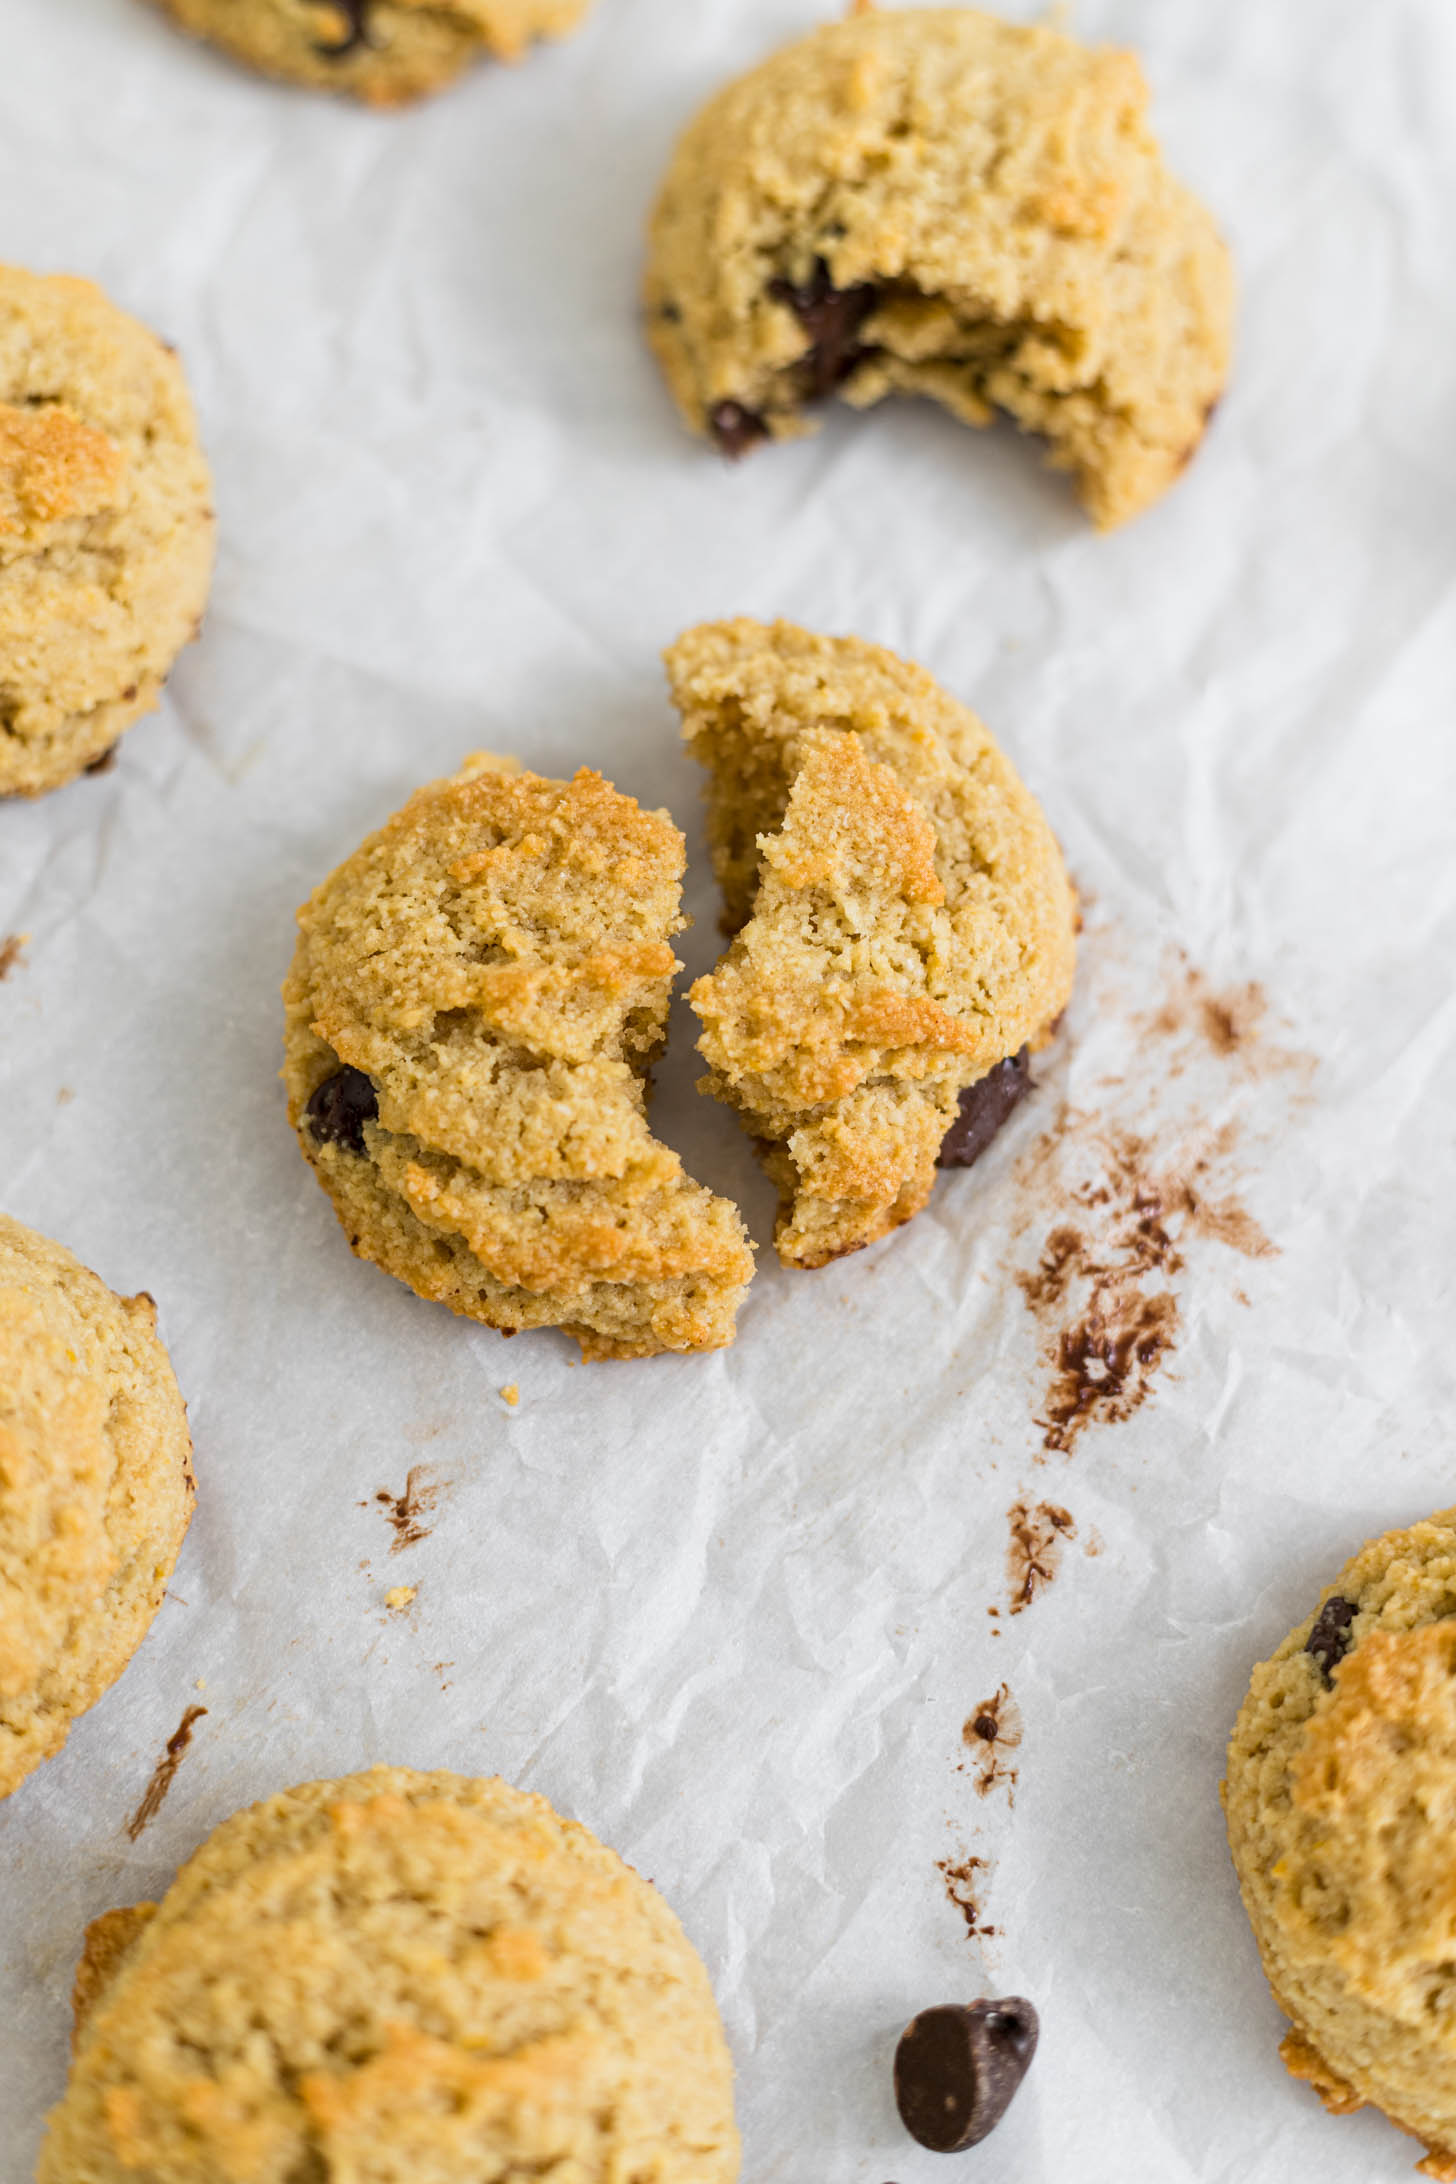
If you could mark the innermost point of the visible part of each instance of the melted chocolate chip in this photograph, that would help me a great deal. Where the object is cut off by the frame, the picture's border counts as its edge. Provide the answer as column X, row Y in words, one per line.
column 736, row 429
column 984, row 1107
column 832, row 318
column 356, row 31
column 957, row 2069
column 1329, row 1640
column 340, row 1107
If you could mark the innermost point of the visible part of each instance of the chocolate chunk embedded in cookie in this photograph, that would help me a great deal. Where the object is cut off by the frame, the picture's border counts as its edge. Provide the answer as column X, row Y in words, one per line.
column 932, row 201
column 400, row 1977
column 106, row 526
column 1340, row 1793
column 902, row 921
column 477, row 995
column 95, row 1490
column 385, row 52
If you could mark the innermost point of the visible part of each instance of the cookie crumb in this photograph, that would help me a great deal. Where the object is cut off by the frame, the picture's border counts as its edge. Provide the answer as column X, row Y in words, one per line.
column 511, row 1394
column 399, row 1597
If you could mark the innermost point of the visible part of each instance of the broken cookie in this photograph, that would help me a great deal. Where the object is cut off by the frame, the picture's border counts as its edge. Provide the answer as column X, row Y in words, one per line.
column 902, row 922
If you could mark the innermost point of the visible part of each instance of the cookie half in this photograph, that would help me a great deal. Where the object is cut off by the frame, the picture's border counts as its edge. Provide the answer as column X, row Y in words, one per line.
column 402, row 1977
column 385, row 52
column 1341, row 1802
column 96, row 1490
column 903, row 924
column 106, row 525
column 477, row 996
column 931, row 201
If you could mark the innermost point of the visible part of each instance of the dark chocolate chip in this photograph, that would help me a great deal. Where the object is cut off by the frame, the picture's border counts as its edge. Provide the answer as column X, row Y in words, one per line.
column 984, row 1106
column 340, row 1107
column 1329, row 1640
column 105, row 762
column 736, row 429
column 957, row 2069
column 987, row 1727
column 832, row 318
column 356, row 14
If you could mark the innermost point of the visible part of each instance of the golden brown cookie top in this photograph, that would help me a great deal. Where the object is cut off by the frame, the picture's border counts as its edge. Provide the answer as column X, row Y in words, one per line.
column 52, row 466
column 106, row 524
column 1340, row 1795
column 428, row 1974
column 901, row 918
column 385, row 52
column 475, row 1000
column 95, row 1489
column 933, row 201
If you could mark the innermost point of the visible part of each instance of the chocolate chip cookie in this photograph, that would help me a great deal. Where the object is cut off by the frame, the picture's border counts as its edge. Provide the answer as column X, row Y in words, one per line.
column 385, row 52
column 1340, row 1795
column 106, row 525
column 931, row 201
column 903, row 924
column 95, row 1490
column 476, row 998
column 401, row 1977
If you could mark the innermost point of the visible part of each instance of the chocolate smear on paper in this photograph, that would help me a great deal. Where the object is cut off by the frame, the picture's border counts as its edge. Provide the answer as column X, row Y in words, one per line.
column 965, row 1887
column 989, row 1733
column 11, row 948
column 1038, row 1530
column 164, row 1774
column 408, row 1510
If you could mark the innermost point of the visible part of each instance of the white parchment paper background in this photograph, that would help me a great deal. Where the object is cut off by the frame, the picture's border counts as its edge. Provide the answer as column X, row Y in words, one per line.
column 732, row 1611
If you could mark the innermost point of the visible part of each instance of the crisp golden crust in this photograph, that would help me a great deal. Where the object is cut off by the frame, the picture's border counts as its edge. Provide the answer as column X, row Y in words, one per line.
column 496, row 961
column 901, row 917
column 418, row 1978
column 1339, row 1799
column 932, row 201
column 106, row 525
column 95, row 1490
column 385, row 52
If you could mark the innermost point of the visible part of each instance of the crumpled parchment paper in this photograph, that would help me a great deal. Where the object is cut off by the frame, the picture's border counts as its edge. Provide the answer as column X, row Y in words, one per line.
column 734, row 1611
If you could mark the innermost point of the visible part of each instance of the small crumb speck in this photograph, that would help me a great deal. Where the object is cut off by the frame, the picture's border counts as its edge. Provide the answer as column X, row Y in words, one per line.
column 399, row 1597
column 511, row 1395
column 65, row 1096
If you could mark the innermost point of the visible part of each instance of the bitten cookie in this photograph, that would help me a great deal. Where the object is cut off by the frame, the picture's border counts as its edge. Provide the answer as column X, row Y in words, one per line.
column 95, row 1490
column 903, row 923
column 931, row 201
column 1340, row 1798
column 385, row 52
column 476, row 999
column 409, row 1978
column 106, row 525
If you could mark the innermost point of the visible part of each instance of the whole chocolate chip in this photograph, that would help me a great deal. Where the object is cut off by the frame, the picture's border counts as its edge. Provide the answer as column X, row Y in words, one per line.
column 832, row 318
column 957, row 2069
column 736, row 429
column 340, row 1107
column 1329, row 1639
column 356, row 30
column 984, row 1106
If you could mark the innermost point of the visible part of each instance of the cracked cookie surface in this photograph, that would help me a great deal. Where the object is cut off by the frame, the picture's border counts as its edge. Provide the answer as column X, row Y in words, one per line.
column 1340, row 1797
column 902, row 921
column 476, row 998
column 106, row 525
column 932, row 201
column 418, row 1978
column 95, row 1490
column 385, row 52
